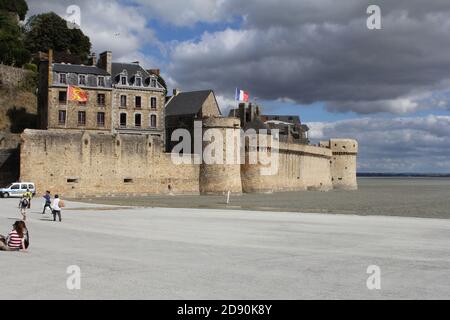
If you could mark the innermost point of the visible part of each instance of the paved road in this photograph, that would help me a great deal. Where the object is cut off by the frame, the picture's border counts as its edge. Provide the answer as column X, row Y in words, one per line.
column 151, row 253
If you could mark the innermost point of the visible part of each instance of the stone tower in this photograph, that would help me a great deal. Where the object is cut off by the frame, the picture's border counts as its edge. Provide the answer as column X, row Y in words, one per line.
column 343, row 163
column 219, row 178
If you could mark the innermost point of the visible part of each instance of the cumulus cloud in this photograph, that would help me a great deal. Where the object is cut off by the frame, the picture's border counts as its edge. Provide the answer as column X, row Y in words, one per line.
column 419, row 144
column 225, row 104
column 110, row 24
column 186, row 13
column 321, row 51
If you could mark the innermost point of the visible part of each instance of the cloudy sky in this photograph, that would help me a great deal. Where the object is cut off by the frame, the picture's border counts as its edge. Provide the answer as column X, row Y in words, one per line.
column 388, row 88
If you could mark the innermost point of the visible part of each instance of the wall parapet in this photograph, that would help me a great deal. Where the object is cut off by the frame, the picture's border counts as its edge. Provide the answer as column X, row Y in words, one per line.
column 82, row 163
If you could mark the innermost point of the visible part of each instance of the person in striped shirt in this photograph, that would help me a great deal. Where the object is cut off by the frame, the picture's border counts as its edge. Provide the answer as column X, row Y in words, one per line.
column 18, row 237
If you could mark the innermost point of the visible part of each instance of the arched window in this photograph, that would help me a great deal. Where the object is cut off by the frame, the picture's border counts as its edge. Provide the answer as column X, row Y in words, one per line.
column 153, row 121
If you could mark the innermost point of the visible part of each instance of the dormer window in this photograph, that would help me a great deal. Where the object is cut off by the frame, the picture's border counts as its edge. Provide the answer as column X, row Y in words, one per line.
column 101, row 81
column 138, row 81
column 123, row 80
column 63, row 78
column 82, row 80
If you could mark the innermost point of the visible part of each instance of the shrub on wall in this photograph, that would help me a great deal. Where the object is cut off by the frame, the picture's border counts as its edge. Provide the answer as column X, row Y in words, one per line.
column 30, row 66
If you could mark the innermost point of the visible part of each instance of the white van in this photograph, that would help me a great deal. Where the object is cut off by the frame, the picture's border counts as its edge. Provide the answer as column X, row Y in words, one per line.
column 17, row 189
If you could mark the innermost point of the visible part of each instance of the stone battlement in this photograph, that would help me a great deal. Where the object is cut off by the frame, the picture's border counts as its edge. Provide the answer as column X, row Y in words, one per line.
column 78, row 164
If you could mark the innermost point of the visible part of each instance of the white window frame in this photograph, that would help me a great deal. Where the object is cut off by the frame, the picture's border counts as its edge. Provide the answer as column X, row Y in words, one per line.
column 142, row 100
column 65, row 117
column 78, row 118
column 59, row 78
column 120, row 100
column 150, row 120
column 104, row 81
column 153, row 78
column 124, row 74
column 156, row 107
column 104, row 119
column 135, row 81
column 104, row 102
column 85, row 78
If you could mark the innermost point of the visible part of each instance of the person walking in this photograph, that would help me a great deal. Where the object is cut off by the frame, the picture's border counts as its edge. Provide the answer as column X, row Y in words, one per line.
column 23, row 205
column 48, row 202
column 56, row 207
column 29, row 196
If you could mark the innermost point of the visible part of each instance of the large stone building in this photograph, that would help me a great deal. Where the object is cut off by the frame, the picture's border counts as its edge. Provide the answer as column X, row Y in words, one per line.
column 113, row 144
column 122, row 97
column 138, row 100
column 290, row 127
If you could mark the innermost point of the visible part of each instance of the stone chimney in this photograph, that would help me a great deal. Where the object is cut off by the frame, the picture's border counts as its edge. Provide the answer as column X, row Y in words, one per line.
column 154, row 71
column 93, row 59
column 50, row 67
column 105, row 61
column 252, row 112
column 176, row 92
column 243, row 114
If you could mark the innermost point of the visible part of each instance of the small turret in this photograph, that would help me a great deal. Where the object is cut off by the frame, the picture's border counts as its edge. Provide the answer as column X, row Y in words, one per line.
column 219, row 178
column 343, row 163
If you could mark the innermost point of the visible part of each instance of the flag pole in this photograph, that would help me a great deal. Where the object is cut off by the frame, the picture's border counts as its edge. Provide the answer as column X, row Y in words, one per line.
column 236, row 98
column 67, row 105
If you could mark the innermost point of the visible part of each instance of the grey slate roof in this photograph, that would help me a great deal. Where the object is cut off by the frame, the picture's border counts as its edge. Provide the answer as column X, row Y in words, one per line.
column 187, row 103
column 257, row 124
column 131, row 68
column 290, row 119
column 79, row 69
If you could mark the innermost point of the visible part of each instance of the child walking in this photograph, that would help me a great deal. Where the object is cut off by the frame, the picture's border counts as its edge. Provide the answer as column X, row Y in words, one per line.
column 48, row 202
column 57, row 205
column 23, row 205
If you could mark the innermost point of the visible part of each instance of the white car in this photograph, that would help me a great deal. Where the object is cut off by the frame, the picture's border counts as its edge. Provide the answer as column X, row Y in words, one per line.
column 17, row 189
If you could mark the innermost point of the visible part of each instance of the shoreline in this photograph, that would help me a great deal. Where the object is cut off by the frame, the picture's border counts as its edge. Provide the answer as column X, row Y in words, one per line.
column 403, row 197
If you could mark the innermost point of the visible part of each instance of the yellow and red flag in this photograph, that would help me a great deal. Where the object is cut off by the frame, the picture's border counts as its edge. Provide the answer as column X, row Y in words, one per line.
column 76, row 94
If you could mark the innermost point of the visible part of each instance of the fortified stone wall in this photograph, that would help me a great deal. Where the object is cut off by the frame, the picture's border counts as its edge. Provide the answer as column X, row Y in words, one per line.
column 80, row 164
column 300, row 167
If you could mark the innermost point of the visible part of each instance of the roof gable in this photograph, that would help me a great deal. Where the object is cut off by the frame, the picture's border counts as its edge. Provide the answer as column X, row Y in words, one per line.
column 131, row 71
column 188, row 103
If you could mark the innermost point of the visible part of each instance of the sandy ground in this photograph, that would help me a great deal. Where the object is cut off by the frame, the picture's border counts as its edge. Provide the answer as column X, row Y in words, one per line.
column 403, row 197
column 152, row 253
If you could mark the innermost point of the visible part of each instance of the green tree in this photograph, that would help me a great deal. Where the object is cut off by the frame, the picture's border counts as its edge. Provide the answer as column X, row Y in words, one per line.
column 12, row 49
column 50, row 31
column 20, row 7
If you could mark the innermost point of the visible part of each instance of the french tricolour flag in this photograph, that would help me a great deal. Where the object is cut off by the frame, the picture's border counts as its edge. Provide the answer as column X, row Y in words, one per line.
column 241, row 95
